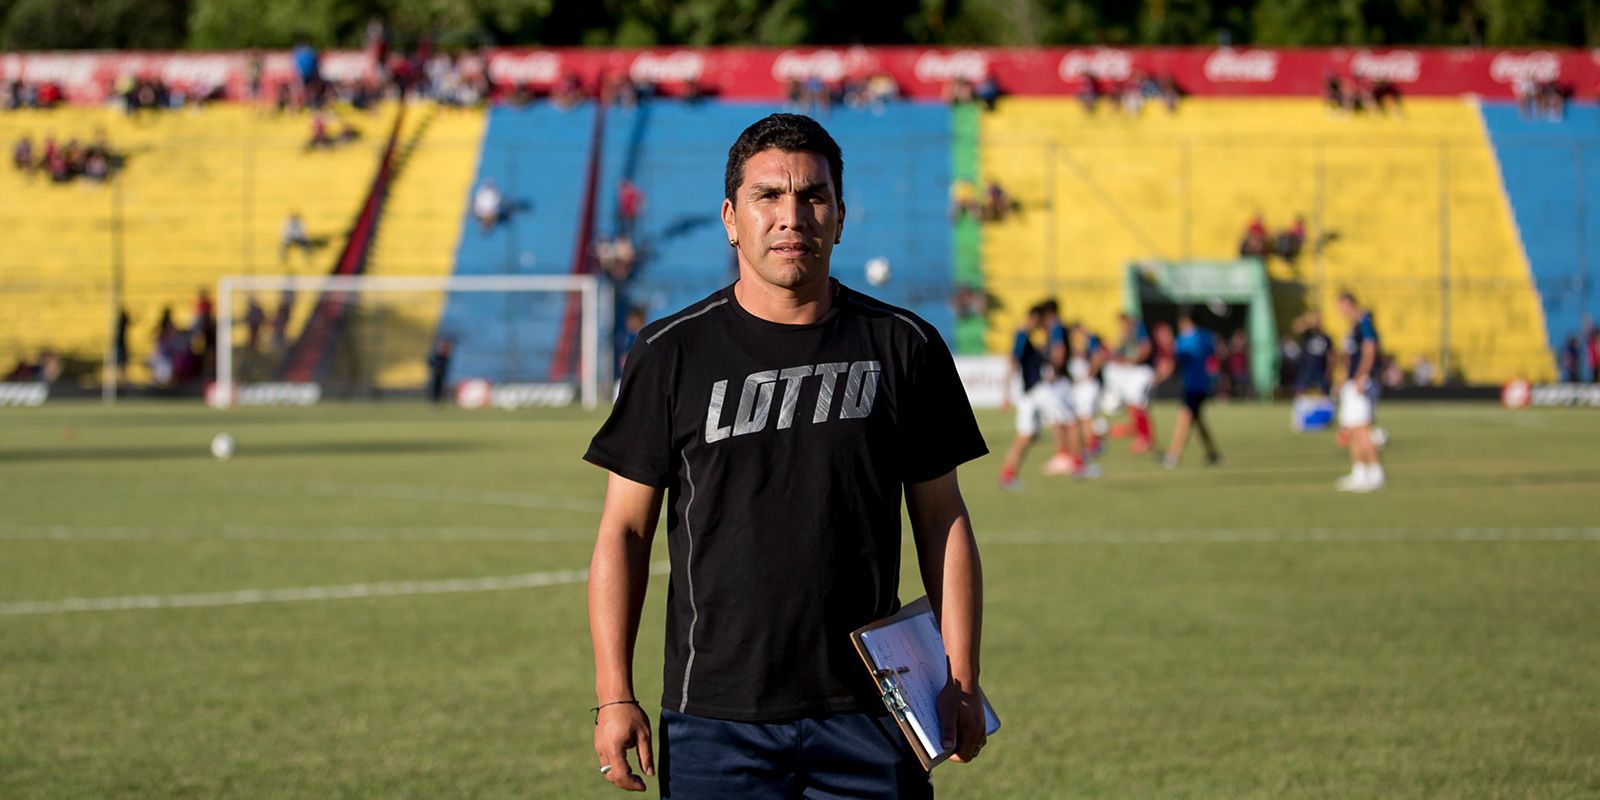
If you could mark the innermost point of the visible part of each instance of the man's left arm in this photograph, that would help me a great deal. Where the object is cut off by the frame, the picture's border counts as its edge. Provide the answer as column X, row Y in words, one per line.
column 953, row 576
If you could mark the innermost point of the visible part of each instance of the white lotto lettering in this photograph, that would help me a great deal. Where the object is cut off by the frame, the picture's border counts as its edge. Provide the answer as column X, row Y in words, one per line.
column 759, row 390
column 1116, row 65
column 526, row 68
column 967, row 65
column 1566, row 394
column 1242, row 66
column 1538, row 66
column 25, row 395
column 1395, row 66
column 679, row 66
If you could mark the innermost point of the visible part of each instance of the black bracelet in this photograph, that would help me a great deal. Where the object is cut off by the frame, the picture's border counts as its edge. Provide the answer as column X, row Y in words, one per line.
column 597, row 708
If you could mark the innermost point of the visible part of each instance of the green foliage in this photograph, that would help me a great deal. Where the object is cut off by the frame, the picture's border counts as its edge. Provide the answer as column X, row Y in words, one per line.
column 80, row 24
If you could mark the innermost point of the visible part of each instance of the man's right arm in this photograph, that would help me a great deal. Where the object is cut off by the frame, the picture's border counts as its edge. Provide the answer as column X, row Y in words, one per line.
column 618, row 574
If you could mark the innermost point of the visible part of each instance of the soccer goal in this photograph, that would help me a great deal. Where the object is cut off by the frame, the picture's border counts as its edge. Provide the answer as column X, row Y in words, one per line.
column 500, row 340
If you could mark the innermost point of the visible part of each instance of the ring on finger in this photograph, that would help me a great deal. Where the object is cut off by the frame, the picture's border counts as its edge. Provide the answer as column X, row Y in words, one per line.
column 605, row 769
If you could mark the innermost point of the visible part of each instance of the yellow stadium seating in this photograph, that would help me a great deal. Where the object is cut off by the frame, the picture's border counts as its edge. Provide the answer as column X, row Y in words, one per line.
column 420, row 228
column 1414, row 202
column 204, row 194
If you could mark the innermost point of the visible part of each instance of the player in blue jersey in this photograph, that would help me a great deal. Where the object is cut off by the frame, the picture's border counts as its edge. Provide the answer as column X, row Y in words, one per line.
column 1195, row 348
column 1037, row 403
column 1358, row 399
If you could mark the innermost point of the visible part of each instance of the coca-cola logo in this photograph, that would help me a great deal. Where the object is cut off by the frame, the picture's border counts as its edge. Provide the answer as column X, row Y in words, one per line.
column 65, row 70
column 1538, row 66
column 1242, row 66
column 679, row 66
column 519, row 68
column 936, row 67
column 1396, row 66
column 339, row 67
column 1115, row 65
column 198, row 71
column 826, row 65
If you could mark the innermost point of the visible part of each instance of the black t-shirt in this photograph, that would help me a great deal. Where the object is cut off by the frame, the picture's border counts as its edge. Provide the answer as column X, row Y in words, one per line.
column 783, row 450
column 1315, row 348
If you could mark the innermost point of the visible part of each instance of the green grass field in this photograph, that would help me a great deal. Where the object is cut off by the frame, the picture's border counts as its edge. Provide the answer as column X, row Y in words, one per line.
column 1236, row 632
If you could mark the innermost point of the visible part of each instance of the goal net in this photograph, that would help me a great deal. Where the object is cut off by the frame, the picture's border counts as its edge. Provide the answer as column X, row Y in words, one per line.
column 504, row 340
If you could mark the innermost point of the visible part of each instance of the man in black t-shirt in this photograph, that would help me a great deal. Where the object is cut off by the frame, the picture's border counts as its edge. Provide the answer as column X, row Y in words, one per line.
column 781, row 419
column 1316, row 347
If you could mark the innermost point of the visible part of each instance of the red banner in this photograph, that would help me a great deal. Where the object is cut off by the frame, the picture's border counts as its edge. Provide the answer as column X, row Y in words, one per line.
column 922, row 73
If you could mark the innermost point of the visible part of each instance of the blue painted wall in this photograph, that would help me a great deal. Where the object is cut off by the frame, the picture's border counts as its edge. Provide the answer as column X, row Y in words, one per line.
column 536, row 156
column 1551, row 171
column 896, row 176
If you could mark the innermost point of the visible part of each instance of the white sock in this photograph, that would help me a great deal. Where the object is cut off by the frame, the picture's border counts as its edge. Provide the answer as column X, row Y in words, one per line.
column 1358, row 472
column 1375, row 473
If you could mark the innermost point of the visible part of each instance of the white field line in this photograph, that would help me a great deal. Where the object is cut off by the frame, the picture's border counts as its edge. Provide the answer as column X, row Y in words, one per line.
column 1292, row 535
column 257, row 533
column 304, row 593
column 242, row 533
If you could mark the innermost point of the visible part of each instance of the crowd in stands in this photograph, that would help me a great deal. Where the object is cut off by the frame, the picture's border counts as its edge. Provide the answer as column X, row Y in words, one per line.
column 813, row 95
column 993, row 204
column 1258, row 242
column 1541, row 100
column 1348, row 95
column 185, row 353
column 17, row 94
column 62, row 163
column 1580, row 355
column 985, row 91
column 1130, row 96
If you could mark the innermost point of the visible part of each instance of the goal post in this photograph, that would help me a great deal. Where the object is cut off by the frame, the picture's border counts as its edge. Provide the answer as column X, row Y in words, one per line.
column 529, row 339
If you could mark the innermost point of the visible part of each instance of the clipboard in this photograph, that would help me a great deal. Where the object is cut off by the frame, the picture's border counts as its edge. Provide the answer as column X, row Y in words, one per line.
column 906, row 656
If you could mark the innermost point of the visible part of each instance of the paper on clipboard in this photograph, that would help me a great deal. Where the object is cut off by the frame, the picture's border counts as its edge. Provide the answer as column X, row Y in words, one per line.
column 911, row 648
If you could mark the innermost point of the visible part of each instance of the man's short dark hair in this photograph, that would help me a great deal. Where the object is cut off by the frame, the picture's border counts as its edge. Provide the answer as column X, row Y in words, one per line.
column 1349, row 297
column 791, row 133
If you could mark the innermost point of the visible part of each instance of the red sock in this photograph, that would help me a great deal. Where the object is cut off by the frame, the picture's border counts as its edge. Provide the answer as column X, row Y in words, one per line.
column 1007, row 473
column 1141, row 423
column 1094, row 441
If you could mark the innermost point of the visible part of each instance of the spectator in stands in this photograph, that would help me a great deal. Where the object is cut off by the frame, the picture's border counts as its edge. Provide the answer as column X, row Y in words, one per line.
column 1239, row 381
column 120, row 343
column 487, row 205
column 959, row 92
column 1551, row 98
column 997, row 203
column 1254, row 242
column 816, row 98
column 1171, row 92
column 794, row 92
column 162, row 371
column 1333, row 92
column 964, row 200
column 616, row 257
column 280, row 321
column 255, row 318
column 22, row 154
column 1592, row 335
column 320, row 135
column 987, row 90
column 1422, row 371
column 567, row 93
column 307, row 73
column 1571, row 361
column 294, row 238
column 630, row 202
column 1385, row 97
column 631, row 325
column 1089, row 92
column 881, row 91
column 1290, row 241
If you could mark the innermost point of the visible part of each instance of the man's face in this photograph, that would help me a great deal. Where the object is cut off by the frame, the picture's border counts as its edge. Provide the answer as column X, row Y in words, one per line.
column 1348, row 309
column 786, row 219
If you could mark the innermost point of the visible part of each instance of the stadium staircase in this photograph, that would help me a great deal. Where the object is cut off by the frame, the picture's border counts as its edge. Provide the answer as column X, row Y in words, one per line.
column 419, row 230
column 203, row 194
column 1552, row 174
column 1098, row 192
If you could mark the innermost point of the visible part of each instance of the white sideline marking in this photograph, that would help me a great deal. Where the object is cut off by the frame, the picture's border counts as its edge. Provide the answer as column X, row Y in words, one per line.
column 1287, row 535
column 303, row 593
column 252, row 533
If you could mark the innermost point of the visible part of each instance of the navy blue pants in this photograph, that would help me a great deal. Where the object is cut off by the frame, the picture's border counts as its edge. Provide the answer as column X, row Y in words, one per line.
column 845, row 755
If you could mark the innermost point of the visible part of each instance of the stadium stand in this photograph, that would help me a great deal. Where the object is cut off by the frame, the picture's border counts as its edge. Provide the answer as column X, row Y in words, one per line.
column 1398, row 196
column 1552, row 173
column 421, row 228
column 203, row 194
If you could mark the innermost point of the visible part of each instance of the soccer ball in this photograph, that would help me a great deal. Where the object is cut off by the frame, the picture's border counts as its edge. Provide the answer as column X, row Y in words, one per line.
column 222, row 446
column 878, row 271
column 1380, row 437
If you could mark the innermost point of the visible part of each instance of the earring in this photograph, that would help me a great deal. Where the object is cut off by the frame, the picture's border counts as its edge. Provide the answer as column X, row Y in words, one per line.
column 733, row 242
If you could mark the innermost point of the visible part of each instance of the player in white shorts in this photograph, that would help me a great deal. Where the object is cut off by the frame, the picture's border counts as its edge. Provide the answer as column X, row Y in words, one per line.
column 1088, row 358
column 1071, row 458
column 1358, row 399
column 1037, row 404
column 1129, row 378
